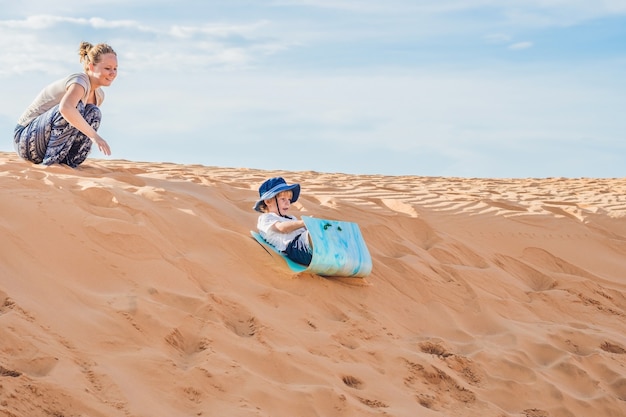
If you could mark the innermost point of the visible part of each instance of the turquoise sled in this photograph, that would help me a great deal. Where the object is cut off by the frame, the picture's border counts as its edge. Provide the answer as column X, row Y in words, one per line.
column 338, row 249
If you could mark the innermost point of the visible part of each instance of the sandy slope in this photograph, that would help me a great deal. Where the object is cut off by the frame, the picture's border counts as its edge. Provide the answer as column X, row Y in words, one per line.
column 134, row 289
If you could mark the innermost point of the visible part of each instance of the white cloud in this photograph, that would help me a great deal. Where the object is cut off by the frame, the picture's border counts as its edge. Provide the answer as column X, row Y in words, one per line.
column 42, row 22
column 175, row 47
column 521, row 45
column 569, row 9
column 218, row 29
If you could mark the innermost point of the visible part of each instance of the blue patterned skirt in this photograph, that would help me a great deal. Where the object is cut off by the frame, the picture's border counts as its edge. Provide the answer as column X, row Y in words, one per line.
column 50, row 139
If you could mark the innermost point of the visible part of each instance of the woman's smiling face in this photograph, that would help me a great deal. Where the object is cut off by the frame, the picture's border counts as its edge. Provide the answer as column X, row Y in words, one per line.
column 104, row 71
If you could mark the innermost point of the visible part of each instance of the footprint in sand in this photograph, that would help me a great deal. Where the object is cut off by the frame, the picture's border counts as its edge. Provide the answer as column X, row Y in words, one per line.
column 612, row 348
column 434, row 388
column 97, row 196
column 352, row 382
column 236, row 317
column 463, row 366
column 187, row 342
column 6, row 303
column 534, row 412
column 9, row 372
column 36, row 367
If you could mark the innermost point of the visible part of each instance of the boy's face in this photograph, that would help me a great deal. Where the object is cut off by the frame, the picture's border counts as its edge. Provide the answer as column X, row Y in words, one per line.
column 284, row 202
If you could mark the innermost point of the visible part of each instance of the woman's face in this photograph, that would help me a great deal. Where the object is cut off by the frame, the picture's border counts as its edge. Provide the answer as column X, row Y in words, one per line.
column 105, row 71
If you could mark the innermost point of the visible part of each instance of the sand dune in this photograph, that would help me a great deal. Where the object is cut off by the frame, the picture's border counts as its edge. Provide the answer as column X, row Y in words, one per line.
column 135, row 289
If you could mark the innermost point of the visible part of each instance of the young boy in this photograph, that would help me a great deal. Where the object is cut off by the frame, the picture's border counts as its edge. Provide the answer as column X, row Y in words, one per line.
column 285, row 232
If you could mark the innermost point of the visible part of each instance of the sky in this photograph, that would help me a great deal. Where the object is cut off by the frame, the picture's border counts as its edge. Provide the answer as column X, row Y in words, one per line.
column 456, row 88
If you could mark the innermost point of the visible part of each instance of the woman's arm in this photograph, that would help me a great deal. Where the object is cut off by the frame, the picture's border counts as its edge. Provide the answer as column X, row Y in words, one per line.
column 67, row 108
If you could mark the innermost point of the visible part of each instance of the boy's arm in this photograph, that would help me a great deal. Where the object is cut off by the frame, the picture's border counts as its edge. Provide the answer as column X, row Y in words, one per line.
column 288, row 226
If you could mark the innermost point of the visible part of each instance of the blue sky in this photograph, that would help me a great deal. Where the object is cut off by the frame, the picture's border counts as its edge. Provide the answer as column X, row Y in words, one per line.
column 469, row 88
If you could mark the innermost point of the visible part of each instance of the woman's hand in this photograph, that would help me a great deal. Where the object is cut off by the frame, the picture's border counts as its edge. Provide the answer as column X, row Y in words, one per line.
column 102, row 145
column 67, row 108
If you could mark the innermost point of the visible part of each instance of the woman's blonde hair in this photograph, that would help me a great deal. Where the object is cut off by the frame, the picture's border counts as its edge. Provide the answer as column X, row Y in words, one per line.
column 90, row 54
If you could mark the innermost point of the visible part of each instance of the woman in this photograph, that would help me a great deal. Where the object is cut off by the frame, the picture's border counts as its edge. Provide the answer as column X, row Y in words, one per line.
column 62, row 122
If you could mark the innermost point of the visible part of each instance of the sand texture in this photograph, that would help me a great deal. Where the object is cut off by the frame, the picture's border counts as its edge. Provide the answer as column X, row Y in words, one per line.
column 135, row 289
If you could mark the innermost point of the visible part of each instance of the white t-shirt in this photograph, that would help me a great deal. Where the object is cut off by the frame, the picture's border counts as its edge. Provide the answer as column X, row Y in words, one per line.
column 52, row 94
column 275, row 238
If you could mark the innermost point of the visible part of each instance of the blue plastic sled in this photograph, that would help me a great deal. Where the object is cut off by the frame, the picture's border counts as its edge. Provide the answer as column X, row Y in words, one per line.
column 338, row 249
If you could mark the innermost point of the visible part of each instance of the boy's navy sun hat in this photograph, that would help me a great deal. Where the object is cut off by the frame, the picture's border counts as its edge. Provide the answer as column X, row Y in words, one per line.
column 274, row 186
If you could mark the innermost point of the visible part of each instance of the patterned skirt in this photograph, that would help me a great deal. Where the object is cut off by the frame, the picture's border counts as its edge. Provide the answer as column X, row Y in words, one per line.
column 50, row 139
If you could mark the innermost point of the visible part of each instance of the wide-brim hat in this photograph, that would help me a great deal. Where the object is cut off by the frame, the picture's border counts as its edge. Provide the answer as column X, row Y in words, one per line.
column 273, row 187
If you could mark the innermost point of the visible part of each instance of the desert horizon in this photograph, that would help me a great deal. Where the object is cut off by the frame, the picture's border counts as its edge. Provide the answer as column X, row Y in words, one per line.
column 133, row 288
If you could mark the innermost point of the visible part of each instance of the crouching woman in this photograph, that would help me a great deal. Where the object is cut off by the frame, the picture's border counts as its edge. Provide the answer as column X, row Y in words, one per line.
column 61, row 124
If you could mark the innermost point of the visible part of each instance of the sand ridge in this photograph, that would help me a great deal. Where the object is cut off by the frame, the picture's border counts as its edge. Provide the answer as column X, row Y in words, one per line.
column 134, row 289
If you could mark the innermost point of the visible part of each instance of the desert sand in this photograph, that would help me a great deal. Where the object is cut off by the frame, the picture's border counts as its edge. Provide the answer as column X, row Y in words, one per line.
column 135, row 289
